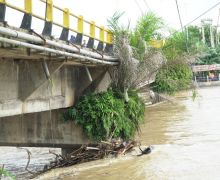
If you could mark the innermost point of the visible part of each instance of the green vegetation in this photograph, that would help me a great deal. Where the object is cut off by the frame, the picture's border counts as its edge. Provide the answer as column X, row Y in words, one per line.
column 175, row 46
column 131, row 72
column 183, row 43
column 172, row 77
column 106, row 115
column 147, row 28
column 118, row 113
column 208, row 34
column 6, row 174
column 211, row 56
column 194, row 94
column 194, row 41
column 176, row 74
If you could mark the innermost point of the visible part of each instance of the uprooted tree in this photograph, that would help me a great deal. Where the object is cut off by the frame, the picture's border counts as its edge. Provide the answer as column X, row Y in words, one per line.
column 131, row 72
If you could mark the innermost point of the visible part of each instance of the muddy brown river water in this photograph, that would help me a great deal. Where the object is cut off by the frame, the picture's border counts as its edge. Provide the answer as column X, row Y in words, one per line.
column 185, row 135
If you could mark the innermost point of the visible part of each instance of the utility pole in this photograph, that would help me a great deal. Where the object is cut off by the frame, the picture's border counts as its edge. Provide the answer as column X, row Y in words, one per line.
column 208, row 23
column 203, row 31
column 203, row 34
column 187, row 33
column 212, row 36
column 217, row 37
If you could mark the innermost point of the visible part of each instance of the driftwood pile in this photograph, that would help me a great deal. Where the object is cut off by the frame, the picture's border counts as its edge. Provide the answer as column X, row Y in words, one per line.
column 89, row 153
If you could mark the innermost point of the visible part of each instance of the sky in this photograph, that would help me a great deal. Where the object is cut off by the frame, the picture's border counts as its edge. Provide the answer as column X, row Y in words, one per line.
column 100, row 10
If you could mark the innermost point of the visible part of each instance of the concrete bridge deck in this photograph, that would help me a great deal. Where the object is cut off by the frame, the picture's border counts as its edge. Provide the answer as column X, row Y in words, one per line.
column 40, row 73
column 40, row 76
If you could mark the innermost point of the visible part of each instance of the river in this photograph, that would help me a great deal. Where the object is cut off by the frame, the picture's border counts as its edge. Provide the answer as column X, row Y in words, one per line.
column 185, row 135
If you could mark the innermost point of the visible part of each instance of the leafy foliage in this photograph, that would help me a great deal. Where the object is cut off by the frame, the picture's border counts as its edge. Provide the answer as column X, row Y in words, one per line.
column 194, row 37
column 105, row 115
column 211, row 56
column 184, row 43
column 172, row 77
column 181, row 48
column 175, row 45
column 147, row 28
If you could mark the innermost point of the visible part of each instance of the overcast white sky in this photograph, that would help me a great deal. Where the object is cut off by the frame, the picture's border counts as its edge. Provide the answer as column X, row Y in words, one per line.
column 100, row 10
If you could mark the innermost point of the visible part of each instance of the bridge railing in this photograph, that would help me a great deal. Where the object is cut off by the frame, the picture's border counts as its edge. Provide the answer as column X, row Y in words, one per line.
column 105, row 35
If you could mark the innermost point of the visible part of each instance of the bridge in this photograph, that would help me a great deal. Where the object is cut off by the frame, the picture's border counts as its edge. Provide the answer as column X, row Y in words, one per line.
column 41, row 75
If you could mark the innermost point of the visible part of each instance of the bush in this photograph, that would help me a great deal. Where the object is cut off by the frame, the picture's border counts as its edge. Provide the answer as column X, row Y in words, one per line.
column 211, row 56
column 173, row 76
column 105, row 115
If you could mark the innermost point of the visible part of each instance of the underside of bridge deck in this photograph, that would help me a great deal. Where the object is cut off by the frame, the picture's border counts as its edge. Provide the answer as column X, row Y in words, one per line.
column 31, row 104
column 25, row 87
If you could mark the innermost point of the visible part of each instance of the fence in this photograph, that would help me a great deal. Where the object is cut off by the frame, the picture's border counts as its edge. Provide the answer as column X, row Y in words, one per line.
column 105, row 35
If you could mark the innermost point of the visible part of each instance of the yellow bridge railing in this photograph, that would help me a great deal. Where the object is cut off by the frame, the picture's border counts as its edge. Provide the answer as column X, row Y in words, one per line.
column 157, row 43
column 105, row 35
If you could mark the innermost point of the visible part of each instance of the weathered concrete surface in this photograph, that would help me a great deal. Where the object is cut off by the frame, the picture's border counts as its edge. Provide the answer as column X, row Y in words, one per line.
column 40, row 129
column 31, row 105
column 24, row 87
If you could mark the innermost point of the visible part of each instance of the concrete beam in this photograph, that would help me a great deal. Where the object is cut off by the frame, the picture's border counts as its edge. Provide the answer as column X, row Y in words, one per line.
column 44, row 129
column 32, row 77
column 26, row 89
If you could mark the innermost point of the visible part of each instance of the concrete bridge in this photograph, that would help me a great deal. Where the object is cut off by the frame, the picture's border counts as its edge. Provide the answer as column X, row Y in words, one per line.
column 40, row 76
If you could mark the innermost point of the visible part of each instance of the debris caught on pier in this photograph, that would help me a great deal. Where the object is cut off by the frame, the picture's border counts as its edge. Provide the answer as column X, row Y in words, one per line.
column 88, row 153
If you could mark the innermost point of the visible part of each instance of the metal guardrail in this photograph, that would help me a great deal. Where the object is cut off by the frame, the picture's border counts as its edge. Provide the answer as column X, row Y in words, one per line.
column 105, row 35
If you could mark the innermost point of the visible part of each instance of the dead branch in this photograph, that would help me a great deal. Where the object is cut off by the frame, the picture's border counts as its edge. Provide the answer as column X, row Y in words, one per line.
column 89, row 153
column 132, row 73
column 28, row 162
